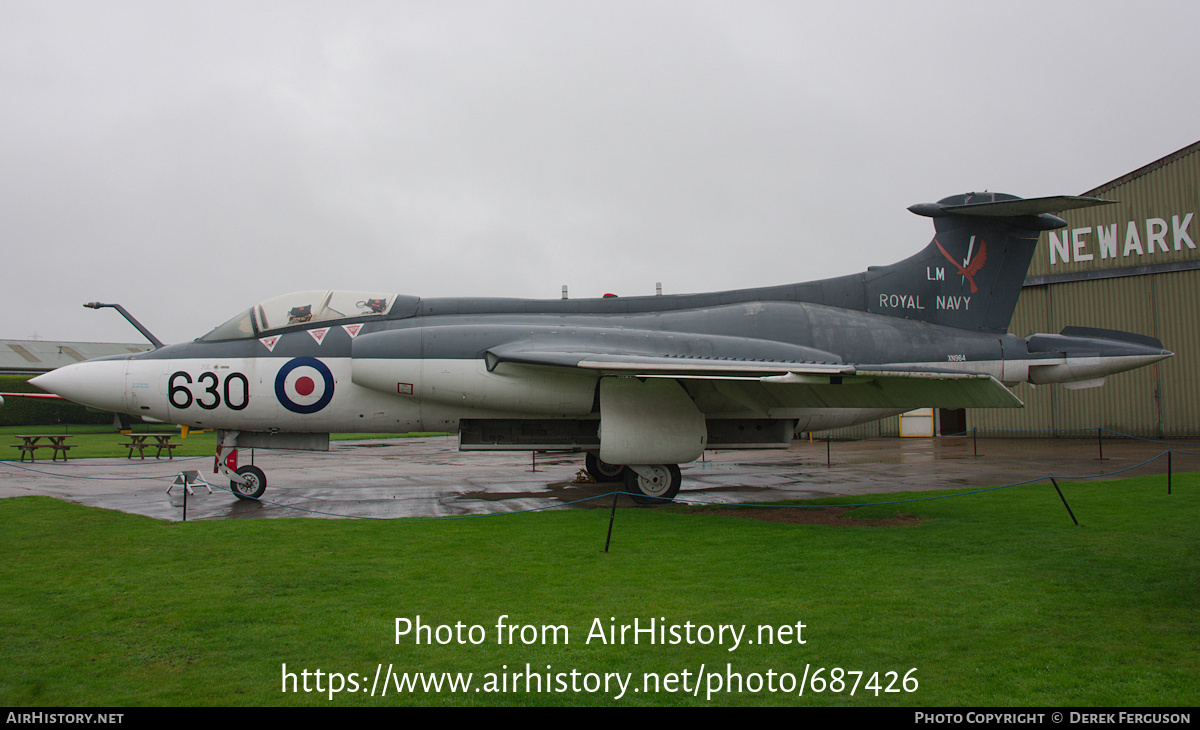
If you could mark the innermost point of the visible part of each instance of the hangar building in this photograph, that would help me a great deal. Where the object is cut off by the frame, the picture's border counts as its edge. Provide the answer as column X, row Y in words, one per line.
column 1132, row 266
column 34, row 357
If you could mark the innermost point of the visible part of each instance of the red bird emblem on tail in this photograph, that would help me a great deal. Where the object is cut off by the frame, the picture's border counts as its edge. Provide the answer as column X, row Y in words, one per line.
column 973, row 265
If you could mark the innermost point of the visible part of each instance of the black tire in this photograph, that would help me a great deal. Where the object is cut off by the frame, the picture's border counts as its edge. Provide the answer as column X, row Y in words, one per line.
column 659, row 490
column 602, row 471
column 256, row 483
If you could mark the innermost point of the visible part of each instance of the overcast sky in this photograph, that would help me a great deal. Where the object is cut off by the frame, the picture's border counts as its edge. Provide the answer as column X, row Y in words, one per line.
column 188, row 159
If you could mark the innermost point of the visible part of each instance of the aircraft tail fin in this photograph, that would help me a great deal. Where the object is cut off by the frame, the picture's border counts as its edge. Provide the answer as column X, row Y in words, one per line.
column 970, row 274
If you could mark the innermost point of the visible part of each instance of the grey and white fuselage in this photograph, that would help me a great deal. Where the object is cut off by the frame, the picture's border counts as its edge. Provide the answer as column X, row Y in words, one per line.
column 638, row 380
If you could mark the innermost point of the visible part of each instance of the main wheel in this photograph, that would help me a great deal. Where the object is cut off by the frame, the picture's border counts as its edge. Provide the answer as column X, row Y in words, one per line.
column 660, row 488
column 256, row 483
column 602, row 471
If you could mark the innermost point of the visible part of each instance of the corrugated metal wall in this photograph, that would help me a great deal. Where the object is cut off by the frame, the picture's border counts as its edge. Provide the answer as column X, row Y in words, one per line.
column 1162, row 400
column 1177, row 300
column 1161, row 190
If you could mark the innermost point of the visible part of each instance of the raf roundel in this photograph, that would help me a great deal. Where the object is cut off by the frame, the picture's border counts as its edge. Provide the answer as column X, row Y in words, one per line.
column 304, row 385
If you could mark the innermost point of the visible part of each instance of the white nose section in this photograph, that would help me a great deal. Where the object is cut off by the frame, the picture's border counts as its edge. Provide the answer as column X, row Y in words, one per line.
column 99, row 384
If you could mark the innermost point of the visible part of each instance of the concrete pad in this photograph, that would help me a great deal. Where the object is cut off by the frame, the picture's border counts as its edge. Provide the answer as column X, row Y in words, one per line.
column 429, row 477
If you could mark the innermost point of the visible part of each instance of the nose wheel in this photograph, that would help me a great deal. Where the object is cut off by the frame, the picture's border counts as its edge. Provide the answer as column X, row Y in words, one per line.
column 654, row 484
column 253, row 487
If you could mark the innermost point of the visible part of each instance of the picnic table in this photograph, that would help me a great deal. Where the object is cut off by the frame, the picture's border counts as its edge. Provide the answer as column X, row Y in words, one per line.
column 141, row 442
column 29, row 445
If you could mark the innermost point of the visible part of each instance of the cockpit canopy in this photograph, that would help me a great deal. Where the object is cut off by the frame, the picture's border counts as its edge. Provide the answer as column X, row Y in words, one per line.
column 300, row 308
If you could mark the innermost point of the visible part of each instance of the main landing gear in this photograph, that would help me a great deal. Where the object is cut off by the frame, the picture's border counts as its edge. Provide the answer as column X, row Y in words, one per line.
column 602, row 471
column 650, row 484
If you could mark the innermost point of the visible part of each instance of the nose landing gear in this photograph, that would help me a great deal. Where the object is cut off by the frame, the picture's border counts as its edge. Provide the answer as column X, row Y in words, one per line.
column 247, row 482
column 253, row 485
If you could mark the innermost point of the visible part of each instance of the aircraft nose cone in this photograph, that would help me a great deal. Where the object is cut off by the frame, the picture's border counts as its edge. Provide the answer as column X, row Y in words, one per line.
column 99, row 384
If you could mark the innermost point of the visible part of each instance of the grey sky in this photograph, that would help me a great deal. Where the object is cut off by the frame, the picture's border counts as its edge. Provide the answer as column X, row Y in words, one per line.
column 188, row 159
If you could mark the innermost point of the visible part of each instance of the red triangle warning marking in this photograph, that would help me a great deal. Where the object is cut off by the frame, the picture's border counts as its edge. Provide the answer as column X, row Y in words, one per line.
column 319, row 334
column 352, row 329
column 269, row 342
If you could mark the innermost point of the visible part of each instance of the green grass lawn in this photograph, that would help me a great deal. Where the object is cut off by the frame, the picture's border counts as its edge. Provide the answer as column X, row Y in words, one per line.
column 994, row 599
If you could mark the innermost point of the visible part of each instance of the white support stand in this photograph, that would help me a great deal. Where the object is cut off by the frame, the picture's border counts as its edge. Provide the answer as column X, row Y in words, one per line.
column 187, row 480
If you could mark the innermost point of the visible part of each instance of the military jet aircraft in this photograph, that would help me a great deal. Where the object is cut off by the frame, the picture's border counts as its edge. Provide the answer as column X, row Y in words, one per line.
column 641, row 384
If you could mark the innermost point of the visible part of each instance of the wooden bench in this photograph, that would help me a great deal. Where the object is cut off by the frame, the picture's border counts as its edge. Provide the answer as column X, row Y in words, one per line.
column 139, row 442
column 135, row 443
column 29, row 445
column 28, row 449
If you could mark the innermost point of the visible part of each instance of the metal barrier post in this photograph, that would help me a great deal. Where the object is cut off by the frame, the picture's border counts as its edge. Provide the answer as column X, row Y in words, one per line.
column 1064, row 501
column 611, row 515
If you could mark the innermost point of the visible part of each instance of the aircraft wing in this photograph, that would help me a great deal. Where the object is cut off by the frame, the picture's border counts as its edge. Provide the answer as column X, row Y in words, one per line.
column 766, row 386
column 656, row 365
column 48, row 396
column 875, row 387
